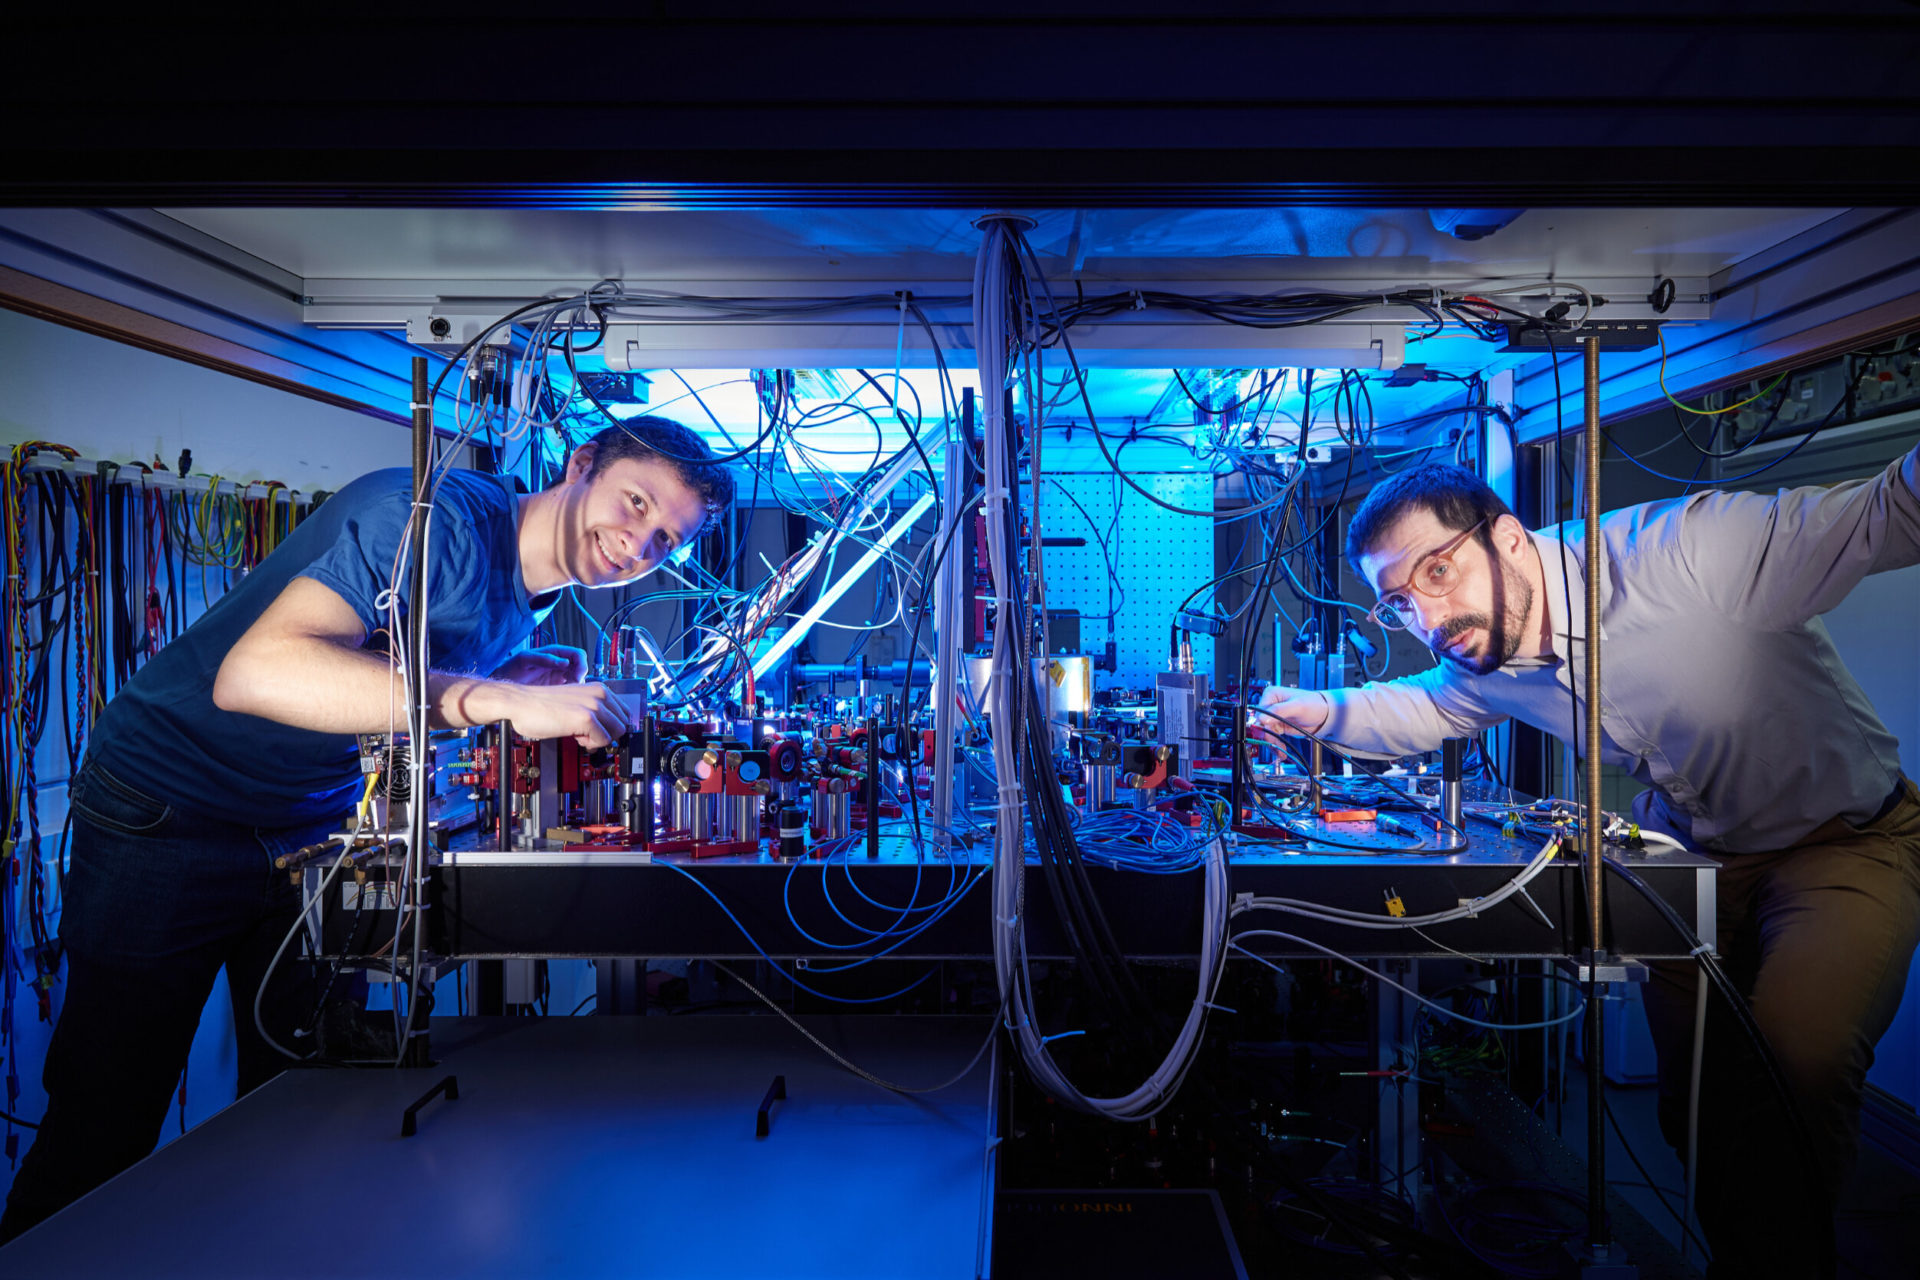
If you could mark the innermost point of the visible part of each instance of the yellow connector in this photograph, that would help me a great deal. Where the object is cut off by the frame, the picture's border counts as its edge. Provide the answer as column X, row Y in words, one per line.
column 1395, row 907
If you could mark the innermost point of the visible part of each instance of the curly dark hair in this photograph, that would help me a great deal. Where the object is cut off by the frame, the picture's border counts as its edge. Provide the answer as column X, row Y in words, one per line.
column 1454, row 496
column 665, row 439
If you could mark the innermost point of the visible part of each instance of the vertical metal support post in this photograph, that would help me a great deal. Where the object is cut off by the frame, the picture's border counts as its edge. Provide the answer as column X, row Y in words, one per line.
column 1499, row 467
column 488, row 999
column 1396, row 1148
column 419, row 829
column 643, row 776
column 1597, row 1239
column 549, row 810
column 1333, row 641
column 503, row 774
column 948, row 604
column 417, row 578
column 1453, row 756
column 619, row 986
column 873, row 787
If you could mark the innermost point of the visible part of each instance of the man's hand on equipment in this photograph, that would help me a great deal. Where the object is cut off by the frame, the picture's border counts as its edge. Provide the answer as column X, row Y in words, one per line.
column 548, row 664
column 591, row 714
column 1287, row 711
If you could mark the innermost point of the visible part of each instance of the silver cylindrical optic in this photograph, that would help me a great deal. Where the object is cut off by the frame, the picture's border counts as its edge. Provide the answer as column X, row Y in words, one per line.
column 745, row 816
column 1453, row 753
column 683, row 809
column 832, row 811
column 713, row 820
column 1100, row 787
column 630, row 810
column 600, row 801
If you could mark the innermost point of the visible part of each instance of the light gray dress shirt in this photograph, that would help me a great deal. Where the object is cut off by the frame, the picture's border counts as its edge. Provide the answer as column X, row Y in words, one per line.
column 1719, row 684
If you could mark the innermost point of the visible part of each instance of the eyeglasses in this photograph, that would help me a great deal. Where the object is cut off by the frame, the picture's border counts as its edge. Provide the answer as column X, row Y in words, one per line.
column 1433, row 577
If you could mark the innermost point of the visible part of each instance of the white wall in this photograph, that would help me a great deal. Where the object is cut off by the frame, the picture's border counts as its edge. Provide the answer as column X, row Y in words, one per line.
column 112, row 401
column 109, row 400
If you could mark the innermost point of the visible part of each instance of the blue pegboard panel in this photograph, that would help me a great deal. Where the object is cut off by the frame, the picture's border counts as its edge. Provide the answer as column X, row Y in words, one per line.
column 1159, row 557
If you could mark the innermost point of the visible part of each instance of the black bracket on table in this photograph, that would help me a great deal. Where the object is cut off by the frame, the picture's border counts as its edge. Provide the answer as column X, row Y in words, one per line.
column 776, row 1092
column 449, row 1086
column 873, row 788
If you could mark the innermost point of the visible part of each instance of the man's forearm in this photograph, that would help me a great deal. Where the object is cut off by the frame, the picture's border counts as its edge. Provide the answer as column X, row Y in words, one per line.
column 312, row 683
column 1392, row 718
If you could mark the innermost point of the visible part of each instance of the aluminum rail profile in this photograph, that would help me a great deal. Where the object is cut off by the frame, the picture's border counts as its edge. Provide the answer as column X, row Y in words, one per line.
column 948, row 603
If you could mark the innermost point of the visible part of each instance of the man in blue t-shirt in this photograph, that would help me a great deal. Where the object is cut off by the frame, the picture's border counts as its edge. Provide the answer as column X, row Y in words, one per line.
column 236, row 744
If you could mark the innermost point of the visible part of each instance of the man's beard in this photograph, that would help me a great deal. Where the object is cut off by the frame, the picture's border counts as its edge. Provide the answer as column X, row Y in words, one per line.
column 1502, row 641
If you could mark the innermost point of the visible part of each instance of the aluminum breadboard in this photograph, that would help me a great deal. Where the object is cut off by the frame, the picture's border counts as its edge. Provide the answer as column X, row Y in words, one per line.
column 1158, row 558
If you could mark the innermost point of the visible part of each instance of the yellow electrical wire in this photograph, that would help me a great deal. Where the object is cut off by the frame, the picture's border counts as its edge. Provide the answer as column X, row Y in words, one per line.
column 1705, row 413
column 215, row 512
column 360, row 814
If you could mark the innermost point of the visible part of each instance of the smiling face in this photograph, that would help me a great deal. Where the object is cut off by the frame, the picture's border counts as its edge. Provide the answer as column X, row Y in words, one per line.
column 1482, row 621
column 622, row 523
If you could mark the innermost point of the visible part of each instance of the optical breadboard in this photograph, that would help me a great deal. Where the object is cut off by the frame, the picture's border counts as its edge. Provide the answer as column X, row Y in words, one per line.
column 1159, row 556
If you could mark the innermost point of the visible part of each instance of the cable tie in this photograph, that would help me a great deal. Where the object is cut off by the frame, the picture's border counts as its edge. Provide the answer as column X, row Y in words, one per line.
column 1139, row 301
column 1060, row 1035
column 1008, row 921
column 1700, row 950
column 415, row 406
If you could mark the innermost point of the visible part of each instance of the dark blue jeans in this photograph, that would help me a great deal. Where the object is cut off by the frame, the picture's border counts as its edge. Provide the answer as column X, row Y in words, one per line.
column 156, row 902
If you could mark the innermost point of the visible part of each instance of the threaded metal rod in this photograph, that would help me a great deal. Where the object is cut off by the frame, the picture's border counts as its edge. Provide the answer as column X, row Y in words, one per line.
column 1597, row 1237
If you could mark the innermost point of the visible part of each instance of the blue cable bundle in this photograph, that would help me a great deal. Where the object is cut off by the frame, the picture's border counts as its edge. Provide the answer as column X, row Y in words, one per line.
column 894, row 936
column 1143, row 840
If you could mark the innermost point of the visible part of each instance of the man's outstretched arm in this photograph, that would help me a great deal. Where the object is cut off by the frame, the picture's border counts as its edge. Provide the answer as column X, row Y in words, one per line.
column 1392, row 718
column 301, row 664
column 1774, row 562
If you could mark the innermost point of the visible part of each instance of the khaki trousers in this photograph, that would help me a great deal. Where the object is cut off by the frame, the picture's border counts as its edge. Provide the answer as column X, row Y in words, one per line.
column 1819, row 937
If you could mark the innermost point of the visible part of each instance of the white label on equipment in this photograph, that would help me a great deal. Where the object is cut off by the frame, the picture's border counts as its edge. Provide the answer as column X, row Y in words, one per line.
column 375, row 895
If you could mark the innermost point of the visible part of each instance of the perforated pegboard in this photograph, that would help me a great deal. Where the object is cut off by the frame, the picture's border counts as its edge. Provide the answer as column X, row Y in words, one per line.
column 1159, row 557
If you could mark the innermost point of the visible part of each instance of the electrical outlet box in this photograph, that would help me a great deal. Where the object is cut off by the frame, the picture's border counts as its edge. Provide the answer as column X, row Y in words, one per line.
column 448, row 332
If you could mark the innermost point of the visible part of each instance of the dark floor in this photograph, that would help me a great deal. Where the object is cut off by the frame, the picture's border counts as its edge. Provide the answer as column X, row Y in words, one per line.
column 1878, row 1226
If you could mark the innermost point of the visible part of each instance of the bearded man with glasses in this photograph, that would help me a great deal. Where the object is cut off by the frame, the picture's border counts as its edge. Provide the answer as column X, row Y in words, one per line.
column 1724, row 694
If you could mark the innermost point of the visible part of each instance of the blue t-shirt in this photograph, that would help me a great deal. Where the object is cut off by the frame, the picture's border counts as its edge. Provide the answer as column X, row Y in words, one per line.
column 163, row 734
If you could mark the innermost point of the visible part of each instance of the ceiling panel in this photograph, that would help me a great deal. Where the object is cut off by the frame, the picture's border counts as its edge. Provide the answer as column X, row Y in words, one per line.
column 831, row 246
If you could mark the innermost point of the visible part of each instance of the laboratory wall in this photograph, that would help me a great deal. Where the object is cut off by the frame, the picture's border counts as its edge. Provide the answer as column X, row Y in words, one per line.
column 113, row 402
